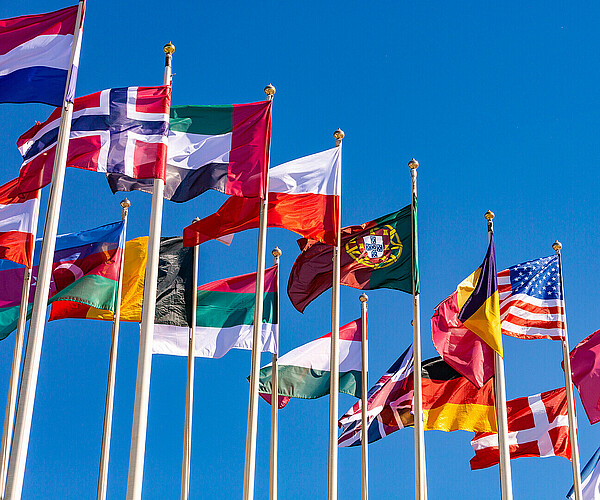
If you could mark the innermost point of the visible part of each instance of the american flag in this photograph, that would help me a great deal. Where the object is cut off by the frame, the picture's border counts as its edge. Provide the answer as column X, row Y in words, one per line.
column 389, row 405
column 531, row 305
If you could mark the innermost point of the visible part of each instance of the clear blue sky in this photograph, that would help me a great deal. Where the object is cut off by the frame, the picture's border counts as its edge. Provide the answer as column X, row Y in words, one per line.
column 499, row 103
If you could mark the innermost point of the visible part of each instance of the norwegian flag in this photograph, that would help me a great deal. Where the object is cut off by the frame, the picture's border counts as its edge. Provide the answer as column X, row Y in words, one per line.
column 531, row 305
column 389, row 405
column 122, row 130
column 538, row 426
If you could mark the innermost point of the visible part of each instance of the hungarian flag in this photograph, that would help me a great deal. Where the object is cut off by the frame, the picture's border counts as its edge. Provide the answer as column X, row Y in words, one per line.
column 122, row 130
column 376, row 254
column 304, row 197
column 305, row 371
column 85, row 269
column 225, row 148
column 17, row 216
column 538, row 426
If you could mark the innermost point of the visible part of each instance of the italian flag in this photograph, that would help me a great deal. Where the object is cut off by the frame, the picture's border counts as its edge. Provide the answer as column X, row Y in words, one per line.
column 305, row 371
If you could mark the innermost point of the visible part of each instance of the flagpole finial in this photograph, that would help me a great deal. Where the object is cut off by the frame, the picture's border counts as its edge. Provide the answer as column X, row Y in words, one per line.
column 363, row 297
column 339, row 134
column 276, row 252
column 196, row 219
column 169, row 48
column 557, row 246
column 125, row 203
column 413, row 164
column 489, row 216
column 270, row 91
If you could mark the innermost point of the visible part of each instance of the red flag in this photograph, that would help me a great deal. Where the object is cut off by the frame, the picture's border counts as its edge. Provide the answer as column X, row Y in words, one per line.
column 585, row 368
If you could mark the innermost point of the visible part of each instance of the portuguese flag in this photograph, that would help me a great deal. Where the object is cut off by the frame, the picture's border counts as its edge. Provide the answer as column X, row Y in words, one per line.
column 376, row 254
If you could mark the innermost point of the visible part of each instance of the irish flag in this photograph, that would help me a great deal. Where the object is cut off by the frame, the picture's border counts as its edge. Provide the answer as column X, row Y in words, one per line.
column 305, row 371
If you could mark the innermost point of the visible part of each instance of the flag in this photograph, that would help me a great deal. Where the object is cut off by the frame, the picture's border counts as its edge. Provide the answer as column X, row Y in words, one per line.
column 35, row 52
column 225, row 148
column 376, row 254
column 531, row 306
column 590, row 480
column 120, row 130
column 17, row 216
column 538, row 426
column 85, row 269
column 304, row 197
column 304, row 372
column 224, row 316
column 389, row 405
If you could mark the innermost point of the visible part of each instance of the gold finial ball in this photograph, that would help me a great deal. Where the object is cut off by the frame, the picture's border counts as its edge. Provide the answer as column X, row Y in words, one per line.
column 276, row 252
column 196, row 219
column 270, row 90
column 339, row 134
column 169, row 48
column 125, row 203
column 489, row 215
column 363, row 297
column 413, row 164
column 556, row 246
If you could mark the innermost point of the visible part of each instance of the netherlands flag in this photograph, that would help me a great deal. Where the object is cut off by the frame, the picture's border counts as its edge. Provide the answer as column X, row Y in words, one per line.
column 34, row 57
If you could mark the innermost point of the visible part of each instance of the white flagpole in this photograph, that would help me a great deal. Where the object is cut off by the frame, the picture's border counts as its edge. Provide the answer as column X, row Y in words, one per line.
column 250, row 458
column 112, row 370
column 501, row 411
column 142, row 385
column 364, row 351
column 13, row 385
column 189, row 392
column 557, row 246
column 334, row 363
column 275, row 398
column 420, row 475
column 18, row 454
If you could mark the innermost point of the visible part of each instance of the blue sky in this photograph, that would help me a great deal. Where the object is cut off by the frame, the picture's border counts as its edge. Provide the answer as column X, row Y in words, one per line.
column 499, row 103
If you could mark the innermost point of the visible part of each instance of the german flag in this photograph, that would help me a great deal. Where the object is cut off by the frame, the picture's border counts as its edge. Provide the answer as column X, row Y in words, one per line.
column 451, row 402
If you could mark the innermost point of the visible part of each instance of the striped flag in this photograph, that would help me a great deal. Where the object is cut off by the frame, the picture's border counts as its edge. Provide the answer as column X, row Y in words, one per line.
column 531, row 306
column 590, row 480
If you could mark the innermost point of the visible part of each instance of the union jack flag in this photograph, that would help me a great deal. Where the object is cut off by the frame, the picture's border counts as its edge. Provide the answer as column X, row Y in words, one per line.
column 389, row 405
column 121, row 130
column 531, row 305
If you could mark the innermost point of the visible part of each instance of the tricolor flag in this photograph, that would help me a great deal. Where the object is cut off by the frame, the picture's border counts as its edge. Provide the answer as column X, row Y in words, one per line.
column 34, row 57
column 590, row 480
column 120, row 130
column 304, row 197
column 305, row 372
column 225, row 148
column 18, row 214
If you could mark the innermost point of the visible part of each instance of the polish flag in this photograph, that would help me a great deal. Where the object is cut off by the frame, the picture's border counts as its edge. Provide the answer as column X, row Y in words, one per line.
column 304, row 197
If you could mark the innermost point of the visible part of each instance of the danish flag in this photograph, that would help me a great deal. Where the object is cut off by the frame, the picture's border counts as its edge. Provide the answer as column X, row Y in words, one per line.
column 121, row 130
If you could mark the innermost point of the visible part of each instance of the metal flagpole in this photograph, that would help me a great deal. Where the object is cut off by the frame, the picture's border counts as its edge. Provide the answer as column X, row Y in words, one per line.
column 250, row 458
column 13, row 384
column 18, row 454
column 112, row 370
column 275, row 399
column 420, row 475
column 557, row 246
column 334, row 363
column 501, row 412
column 142, row 385
column 189, row 392
column 364, row 351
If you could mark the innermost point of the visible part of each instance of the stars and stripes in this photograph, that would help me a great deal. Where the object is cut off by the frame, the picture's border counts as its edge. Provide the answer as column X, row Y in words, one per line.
column 531, row 306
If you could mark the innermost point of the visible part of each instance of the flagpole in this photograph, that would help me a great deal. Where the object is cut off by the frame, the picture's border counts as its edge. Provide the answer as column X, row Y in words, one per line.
column 112, row 370
column 142, row 385
column 250, row 458
column 275, row 398
column 557, row 246
column 13, row 384
column 363, row 396
column 18, row 453
column 420, row 472
column 189, row 392
column 501, row 411
column 334, row 363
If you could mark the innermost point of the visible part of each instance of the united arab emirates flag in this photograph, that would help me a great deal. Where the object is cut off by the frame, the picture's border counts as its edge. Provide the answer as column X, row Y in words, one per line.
column 376, row 254
column 225, row 148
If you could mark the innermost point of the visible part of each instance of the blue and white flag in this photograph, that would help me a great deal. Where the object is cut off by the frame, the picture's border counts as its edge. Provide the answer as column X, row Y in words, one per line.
column 590, row 480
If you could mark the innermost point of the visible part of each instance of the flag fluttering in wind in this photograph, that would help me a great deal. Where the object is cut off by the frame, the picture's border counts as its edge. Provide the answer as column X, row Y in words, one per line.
column 225, row 148
column 376, row 254
column 120, row 130
column 538, row 426
column 304, row 197
column 590, row 480
column 35, row 52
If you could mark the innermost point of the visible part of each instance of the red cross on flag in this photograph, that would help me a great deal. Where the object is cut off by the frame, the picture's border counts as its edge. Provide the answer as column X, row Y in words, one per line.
column 538, row 426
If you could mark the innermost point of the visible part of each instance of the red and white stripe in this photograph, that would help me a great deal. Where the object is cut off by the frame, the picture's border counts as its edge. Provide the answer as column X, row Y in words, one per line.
column 528, row 317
